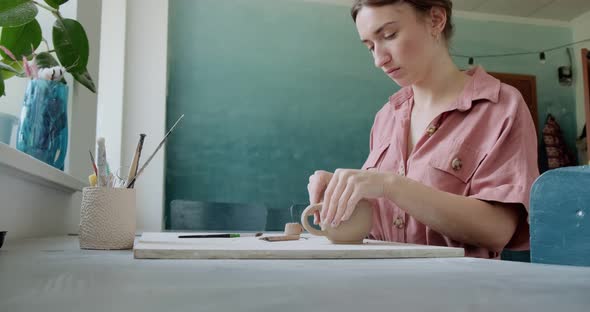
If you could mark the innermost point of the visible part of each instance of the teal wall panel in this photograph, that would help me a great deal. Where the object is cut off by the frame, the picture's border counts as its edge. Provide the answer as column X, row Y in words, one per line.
column 272, row 90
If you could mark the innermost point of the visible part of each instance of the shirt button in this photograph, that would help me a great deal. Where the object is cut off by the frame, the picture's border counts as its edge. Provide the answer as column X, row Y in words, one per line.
column 431, row 130
column 401, row 171
column 456, row 164
column 398, row 222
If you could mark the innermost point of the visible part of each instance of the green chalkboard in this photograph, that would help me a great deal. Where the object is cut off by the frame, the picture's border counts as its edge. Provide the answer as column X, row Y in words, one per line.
column 271, row 91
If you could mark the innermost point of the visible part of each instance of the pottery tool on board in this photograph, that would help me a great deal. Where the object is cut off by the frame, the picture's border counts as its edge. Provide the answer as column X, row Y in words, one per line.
column 280, row 238
column 292, row 232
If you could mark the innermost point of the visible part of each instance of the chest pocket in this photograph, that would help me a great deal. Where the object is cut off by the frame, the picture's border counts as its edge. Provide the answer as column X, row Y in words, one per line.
column 375, row 157
column 458, row 160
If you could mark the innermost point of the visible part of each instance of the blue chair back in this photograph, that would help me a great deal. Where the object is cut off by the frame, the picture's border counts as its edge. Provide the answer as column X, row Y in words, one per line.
column 560, row 217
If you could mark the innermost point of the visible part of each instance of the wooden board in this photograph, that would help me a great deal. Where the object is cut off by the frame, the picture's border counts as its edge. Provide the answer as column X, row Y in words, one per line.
column 169, row 246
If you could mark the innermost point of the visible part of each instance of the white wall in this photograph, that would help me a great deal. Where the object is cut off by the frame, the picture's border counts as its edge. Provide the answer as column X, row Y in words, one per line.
column 581, row 31
column 133, row 95
column 131, row 100
column 25, row 215
column 35, row 197
column 83, row 104
column 145, row 95
column 28, row 208
column 111, row 98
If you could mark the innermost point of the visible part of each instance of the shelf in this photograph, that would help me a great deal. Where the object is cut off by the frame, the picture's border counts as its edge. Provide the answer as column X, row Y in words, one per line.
column 22, row 165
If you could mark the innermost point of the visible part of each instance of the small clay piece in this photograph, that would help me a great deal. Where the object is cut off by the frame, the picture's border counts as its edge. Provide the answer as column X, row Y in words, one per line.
column 292, row 231
column 293, row 228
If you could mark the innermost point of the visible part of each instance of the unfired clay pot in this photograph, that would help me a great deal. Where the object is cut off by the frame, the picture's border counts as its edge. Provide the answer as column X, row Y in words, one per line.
column 352, row 231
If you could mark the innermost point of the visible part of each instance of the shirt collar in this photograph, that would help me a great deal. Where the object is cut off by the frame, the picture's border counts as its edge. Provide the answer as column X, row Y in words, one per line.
column 481, row 86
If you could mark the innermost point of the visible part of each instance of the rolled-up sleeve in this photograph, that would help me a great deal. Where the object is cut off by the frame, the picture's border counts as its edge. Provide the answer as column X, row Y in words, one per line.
column 510, row 167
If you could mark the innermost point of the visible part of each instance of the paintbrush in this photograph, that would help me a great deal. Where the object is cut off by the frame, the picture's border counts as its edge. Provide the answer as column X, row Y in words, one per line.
column 132, row 182
column 135, row 162
column 93, row 164
column 225, row 235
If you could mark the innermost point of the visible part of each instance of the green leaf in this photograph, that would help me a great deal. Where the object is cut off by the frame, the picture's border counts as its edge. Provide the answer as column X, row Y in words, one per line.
column 71, row 44
column 9, row 69
column 21, row 40
column 1, row 86
column 55, row 3
column 85, row 79
column 16, row 12
column 45, row 60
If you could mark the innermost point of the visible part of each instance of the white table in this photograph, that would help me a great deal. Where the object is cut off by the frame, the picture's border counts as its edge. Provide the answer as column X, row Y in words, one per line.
column 53, row 274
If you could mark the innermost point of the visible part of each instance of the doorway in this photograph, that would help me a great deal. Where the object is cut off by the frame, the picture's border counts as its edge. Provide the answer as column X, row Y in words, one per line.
column 527, row 85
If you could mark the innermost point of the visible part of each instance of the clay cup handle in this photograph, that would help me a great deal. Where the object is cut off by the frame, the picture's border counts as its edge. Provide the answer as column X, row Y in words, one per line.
column 308, row 212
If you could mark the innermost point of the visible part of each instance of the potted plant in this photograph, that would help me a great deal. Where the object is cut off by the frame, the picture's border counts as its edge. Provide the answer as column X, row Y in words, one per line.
column 43, row 131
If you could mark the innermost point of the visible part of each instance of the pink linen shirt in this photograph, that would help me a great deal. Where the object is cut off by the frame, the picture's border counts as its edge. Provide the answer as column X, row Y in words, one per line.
column 484, row 146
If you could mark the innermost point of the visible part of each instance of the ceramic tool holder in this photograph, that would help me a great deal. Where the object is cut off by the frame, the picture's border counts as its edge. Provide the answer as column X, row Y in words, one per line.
column 107, row 218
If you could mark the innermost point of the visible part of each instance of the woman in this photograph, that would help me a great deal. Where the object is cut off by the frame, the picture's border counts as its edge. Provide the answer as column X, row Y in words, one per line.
column 453, row 154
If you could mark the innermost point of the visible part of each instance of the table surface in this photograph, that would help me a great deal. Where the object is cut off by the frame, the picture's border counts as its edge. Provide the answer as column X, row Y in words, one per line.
column 53, row 274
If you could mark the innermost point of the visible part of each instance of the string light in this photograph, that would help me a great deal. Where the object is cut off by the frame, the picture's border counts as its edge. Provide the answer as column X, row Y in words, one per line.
column 541, row 54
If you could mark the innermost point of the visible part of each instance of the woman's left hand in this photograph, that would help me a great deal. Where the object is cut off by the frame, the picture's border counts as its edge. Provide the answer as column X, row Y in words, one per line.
column 346, row 188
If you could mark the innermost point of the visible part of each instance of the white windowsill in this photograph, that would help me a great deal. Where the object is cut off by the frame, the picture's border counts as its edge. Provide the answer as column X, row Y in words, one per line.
column 29, row 168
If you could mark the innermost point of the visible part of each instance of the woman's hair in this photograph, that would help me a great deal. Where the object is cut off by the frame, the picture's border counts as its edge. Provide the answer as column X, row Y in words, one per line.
column 421, row 6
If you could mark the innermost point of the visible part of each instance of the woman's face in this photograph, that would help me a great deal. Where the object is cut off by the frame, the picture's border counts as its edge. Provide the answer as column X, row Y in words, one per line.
column 400, row 41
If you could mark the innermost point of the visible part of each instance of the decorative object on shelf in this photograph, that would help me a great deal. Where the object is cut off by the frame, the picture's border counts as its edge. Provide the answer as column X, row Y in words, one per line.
column 558, row 154
column 43, row 131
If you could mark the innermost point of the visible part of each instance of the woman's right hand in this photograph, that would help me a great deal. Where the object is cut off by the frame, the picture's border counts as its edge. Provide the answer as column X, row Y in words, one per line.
column 318, row 182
